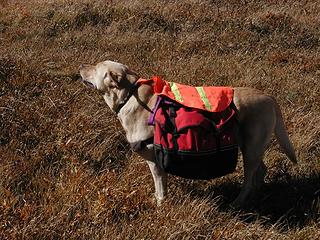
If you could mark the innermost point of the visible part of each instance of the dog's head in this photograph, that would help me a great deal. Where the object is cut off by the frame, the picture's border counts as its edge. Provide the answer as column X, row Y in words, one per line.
column 112, row 79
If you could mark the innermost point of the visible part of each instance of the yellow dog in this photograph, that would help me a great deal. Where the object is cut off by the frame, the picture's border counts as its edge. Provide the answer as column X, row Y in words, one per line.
column 259, row 116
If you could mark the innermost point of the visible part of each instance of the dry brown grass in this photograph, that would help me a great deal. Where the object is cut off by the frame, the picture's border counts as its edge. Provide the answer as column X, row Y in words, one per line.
column 65, row 169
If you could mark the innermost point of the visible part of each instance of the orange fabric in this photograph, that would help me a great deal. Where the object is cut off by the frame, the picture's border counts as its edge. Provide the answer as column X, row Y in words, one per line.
column 189, row 95
column 219, row 97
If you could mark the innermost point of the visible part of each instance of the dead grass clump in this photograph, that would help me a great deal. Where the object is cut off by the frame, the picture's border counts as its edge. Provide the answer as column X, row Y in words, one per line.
column 92, row 17
column 77, row 20
column 309, row 64
column 307, row 39
column 303, row 63
column 82, row 15
column 289, row 32
column 3, row 26
column 279, row 58
column 268, row 22
column 8, row 69
column 154, row 22
column 102, row 16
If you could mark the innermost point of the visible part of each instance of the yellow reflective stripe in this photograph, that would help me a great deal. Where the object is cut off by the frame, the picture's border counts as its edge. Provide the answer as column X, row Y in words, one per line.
column 204, row 98
column 175, row 91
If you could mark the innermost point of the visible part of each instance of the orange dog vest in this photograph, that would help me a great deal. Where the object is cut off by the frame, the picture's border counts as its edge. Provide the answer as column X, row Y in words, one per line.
column 212, row 99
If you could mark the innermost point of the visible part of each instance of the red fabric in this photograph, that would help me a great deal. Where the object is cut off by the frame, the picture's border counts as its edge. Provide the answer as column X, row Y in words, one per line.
column 219, row 97
column 196, row 131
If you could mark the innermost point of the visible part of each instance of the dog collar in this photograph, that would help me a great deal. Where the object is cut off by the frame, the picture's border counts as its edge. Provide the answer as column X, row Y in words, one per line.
column 132, row 89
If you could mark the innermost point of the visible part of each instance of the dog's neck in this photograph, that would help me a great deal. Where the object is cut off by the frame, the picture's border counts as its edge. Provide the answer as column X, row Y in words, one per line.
column 135, row 113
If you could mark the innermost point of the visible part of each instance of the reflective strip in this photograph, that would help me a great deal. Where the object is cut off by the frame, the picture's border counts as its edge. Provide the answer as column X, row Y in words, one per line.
column 204, row 98
column 175, row 91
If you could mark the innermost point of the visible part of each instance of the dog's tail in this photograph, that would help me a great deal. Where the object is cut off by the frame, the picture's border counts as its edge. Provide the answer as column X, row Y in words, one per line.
column 282, row 135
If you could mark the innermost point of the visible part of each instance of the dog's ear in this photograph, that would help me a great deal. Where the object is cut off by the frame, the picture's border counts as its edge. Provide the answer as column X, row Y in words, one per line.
column 124, row 79
column 131, row 76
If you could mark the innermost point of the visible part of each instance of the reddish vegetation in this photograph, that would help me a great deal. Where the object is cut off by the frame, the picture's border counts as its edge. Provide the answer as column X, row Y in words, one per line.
column 66, row 171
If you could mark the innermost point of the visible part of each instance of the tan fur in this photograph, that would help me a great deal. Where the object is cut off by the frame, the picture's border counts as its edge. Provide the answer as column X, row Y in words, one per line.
column 259, row 116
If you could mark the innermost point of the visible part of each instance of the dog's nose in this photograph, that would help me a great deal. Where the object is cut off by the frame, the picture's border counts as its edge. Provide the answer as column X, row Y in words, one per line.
column 79, row 78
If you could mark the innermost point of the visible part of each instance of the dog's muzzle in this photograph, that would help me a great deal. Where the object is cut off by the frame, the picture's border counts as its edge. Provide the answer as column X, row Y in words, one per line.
column 86, row 83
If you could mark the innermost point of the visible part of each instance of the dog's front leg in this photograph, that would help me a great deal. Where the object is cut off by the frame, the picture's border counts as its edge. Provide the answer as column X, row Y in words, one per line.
column 160, row 181
column 158, row 174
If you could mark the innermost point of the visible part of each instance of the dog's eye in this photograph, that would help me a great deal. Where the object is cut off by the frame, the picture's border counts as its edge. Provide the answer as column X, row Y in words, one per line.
column 105, row 75
column 114, row 76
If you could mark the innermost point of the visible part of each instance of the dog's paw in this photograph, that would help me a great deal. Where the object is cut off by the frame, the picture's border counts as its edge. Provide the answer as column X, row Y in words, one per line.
column 236, row 204
column 158, row 200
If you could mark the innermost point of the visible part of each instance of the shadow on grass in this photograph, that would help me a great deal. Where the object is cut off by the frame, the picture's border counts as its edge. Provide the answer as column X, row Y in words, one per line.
column 293, row 202
column 288, row 203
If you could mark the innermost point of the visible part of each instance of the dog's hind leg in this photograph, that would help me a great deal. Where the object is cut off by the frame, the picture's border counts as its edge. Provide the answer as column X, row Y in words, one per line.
column 252, row 147
column 254, row 172
column 258, row 179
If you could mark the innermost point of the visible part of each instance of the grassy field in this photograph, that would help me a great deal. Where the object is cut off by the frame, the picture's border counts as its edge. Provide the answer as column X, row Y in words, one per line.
column 65, row 168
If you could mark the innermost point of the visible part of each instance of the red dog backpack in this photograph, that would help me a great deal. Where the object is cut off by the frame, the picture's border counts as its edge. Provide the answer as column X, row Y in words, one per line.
column 193, row 143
